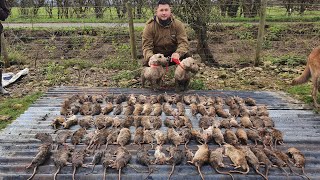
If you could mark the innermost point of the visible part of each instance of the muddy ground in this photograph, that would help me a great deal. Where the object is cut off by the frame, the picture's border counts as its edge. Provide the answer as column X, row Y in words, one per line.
column 82, row 57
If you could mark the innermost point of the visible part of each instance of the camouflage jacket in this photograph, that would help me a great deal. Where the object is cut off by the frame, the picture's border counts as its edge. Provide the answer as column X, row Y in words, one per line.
column 164, row 39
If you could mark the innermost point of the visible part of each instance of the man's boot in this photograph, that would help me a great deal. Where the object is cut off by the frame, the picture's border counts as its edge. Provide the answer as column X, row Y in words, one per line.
column 2, row 90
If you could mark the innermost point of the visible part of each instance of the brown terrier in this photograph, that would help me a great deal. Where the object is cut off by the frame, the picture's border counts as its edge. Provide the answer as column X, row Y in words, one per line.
column 183, row 73
column 155, row 72
column 312, row 70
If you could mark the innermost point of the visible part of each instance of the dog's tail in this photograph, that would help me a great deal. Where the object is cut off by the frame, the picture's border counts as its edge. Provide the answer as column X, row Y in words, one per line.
column 306, row 74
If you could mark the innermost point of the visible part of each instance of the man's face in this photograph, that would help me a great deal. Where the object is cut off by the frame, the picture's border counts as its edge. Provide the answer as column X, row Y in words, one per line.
column 163, row 11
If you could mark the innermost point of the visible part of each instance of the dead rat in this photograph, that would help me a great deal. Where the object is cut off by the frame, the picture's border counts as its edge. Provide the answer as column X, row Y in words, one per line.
column 96, row 159
column 148, row 137
column 211, row 111
column 205, row 122
column 194, row 99
column 277, row 136
column 138, row 136
column 262, row 110
column 221, row 112
column 160, row 157
column 116, row 122
column 97, row 98
column 117, row 109
column 233, row 122
column 250, row 101
column 242, row 136
column 180, row 109
column 124, row 137
column 128, row 121
column 262, row 157
column 109, row 98
column 237, row 157
column 246, row 122
column 65, row 108
column 153, row 99
column 225, row 123
column 185, row 135
column 157, row 123
column 147, row 109
column 230, row 100
column 187, row 122
column 138, row 108
column 207, row 134
column 178, row 121
column 176, row 157
column 252, row 160
column 174, row 137
column 131, row 100
column 70, row 121
column 120, row 99
column 137, row 121
column 107, row 108
column 44, row 138
column 60, row 158
column 202, row 109
column 98, row 139
column 157, row 109
column 142, row 99
column 86, row 108
column 107, row 161
column 198, row 136
column 61, row 137
column 253, row 136
column 167, row 109
column 160, row 137
column 41, row 157
column 122, row 159
column 218, row 136
column 230, row 137
column 257, row 122
column 77, row 136
column 128, row 110
column 112, row 137
column 144, row 158
column 194, row 109
column 77, row 160
column 168, row 123
column 216, row 161
column 234, row 110
column 100, row 122
column 219, row 100
column 268, row 122
column 85, row 122
column 284, row 157
column 201, row 157
column 59, row 120
column 160, row 98
column 168, row 98
column 275, row 160
column 186, row 99
column 299, row 159
column 145, row 122
column 96, row 109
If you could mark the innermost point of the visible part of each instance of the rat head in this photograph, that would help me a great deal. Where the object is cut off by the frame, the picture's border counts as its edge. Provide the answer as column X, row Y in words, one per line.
column 190, row 65
column 157, row 59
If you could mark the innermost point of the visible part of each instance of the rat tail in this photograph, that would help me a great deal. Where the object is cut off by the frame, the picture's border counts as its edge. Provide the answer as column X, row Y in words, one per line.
column 55, row 174
column 34, row 172
column 74, row 173
column 227, row 173
column 201, row 175
column 171, row 172
column 304, row 173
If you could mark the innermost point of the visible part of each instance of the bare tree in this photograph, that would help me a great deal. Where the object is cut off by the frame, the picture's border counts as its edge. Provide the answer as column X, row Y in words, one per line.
column 197, row 14
column 49, row 7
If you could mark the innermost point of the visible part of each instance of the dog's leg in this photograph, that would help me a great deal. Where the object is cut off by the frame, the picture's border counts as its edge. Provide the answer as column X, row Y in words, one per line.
column 315, row 79
column 143, row 80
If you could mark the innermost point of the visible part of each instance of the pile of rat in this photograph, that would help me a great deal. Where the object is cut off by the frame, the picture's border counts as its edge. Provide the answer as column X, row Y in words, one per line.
column 157, row 130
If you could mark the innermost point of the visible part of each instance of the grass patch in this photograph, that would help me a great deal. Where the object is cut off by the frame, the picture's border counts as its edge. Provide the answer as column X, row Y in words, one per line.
column 303, row 92
column 79, row 63
column 197, row 84
column 16, row 106
column 289, row 60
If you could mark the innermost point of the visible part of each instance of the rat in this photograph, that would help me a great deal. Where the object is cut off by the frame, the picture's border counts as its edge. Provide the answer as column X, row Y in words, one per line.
column 268, row 122
column 299, row 159
column 234, row 110
column 100, row 122
column 153, row 99
column 187, row 121
column 128, row 121
column 96, row 109
column 61, row 137
column 77, row 160
column 178, row 121
column 257, row 122
column 168, row 123
column 85, row 122
column 138, row 108
column 86, row 108
column 186, row 136
column 44, row 138
column 176, row 157
column 99, row 138
column 230, row 137
column 148, row 137
column 180, row 109
column 216, row 161
column 157, row 122
column 160, row 137
column 109, row 98
column 218, row 136
column 131, row 100
column 77, row 136
column 157, row 109
column 117, row 109
column 137, row 121
column 70, row 121
column 194, row 109
column 219, row 100
column 41, row 157
column 210, row 101
column 96, row 159
column 122, row 159
column 116, row 122
column 160, row 98
column 59, row 120
column 147, row 109
column 284, row 157
column 202, row 110
column 107, row 160
column 120, row 99
column 144, row 158
column 201, row 157
column 205, row 122
column 112, row 137
column 145, row 122
column 211, row 111
column 159, row 155
column 124, row 137
column 262, row 157
column 277, row 136
column 142, row 99
column 128, row 110
column 194, row 99
column 207, row 134
column 107, row 108
column 253, row 136
column 225, row 123
column 229, row 101
column 221, row 112
column 174, row 137
column 246, row 122
column 167, row 109
column 237, row 157
column 252, row 160
column 186, row 99
column 242, row 136
column 60, row 158
column 233, row 122
column 168, row 98
column 138, row 136
column 97, row 98
column 198, row 136
column 262, row 110
column 250, row 101
column 275, row 160
column 65, row 108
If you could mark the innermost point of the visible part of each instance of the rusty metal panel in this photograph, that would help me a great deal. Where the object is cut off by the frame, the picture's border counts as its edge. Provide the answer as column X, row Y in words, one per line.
column 301, row 128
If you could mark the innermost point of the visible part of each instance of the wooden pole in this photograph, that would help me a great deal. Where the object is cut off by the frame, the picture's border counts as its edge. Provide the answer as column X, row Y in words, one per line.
column 262, row 23
column 4, row 52
column 131, row 32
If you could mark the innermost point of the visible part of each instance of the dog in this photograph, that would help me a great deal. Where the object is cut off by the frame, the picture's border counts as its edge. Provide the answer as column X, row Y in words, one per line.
column 155, row 72
column 312, row 70
column 183, row 73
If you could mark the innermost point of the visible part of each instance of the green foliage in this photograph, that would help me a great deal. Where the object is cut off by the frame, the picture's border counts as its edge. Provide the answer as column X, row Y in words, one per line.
column 244, row 35
column 303, row 92
column 289, row 60
column 15, row 57
column 7, row 107
column 55, row 73
column 79, row 63
column 197, row 84
column 275, row 32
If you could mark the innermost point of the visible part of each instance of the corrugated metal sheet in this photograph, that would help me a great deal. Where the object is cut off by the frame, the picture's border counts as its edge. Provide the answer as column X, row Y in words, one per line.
column 301, row 128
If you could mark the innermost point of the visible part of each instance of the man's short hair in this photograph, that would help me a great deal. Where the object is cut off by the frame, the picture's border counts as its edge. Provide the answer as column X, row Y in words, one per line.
column 164, row 2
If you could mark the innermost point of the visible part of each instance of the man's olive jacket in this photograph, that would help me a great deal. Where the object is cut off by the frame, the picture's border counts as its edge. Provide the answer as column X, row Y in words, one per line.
column 164, row 39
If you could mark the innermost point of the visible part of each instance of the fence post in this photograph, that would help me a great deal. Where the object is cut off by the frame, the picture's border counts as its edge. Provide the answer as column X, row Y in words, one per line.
column 262, row 22
column 131, row 32
column 4, row 52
